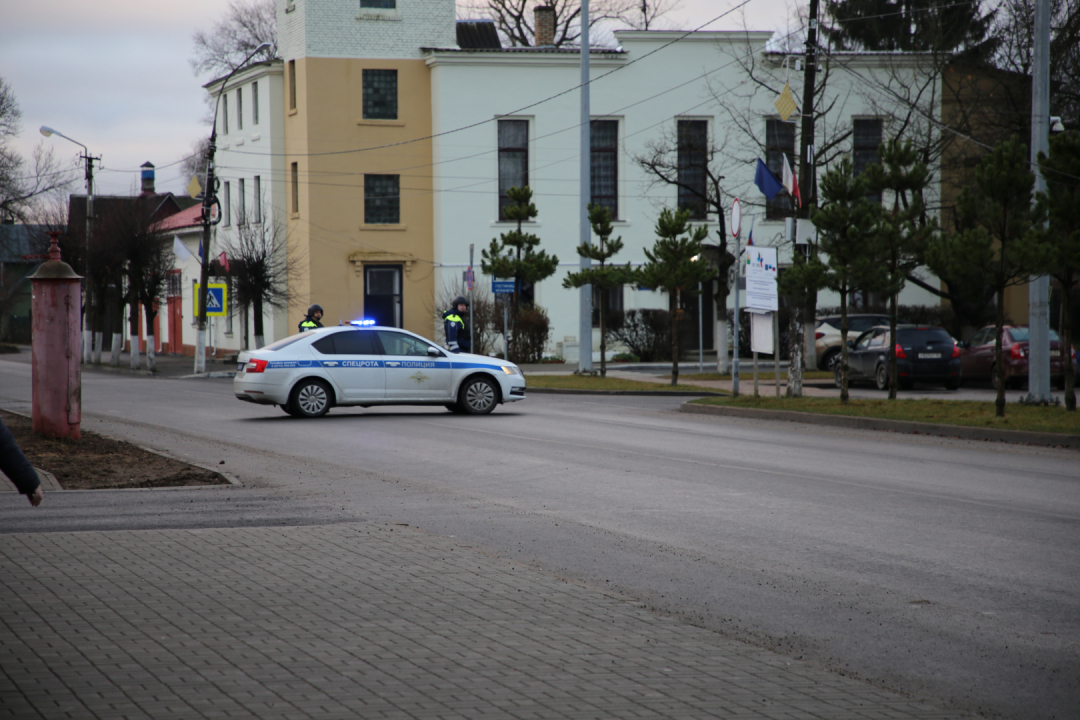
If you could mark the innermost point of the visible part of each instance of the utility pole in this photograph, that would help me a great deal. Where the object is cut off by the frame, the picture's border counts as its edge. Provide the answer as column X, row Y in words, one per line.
column 806, row 185
column 209, row 200
column 1039, row 287
column 585, row 234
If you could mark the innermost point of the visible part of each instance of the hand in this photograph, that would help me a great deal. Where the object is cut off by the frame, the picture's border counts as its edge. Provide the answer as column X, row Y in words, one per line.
column 36, row 497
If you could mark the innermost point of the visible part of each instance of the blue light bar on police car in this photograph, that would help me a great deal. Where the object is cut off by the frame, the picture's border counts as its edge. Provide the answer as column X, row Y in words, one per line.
column 361, row 323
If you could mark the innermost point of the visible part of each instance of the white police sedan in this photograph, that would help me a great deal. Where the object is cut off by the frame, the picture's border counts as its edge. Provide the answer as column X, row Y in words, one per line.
column 359, row 364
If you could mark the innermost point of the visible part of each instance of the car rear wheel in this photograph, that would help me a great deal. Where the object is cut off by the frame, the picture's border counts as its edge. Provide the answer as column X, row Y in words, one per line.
column 288, row 408
column 881, row 377
column 454, row 408
column 838, row 375
column 310, row 398
column 478, row 396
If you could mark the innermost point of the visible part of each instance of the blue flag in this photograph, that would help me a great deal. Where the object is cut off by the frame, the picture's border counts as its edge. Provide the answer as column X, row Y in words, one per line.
column 766, row 181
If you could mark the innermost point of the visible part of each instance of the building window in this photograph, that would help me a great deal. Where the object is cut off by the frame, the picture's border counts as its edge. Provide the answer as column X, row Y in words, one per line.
column 693, row 136
column 256, row 215
column 865, row 147
column 614, row 304
column 241, row 210
column 779, row 141
column 254, row 103
column 380, row 95
column 382, row 199
column 226, row 206
column 239, row 108
column 224, row 114
column 292, row 84
column 378, row 4
column 295, row 176
column 604, row 170
column 513, row 159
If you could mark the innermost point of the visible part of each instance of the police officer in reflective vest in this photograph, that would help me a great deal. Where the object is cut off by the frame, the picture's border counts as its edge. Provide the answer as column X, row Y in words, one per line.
column 457, row 330
column 311, row 320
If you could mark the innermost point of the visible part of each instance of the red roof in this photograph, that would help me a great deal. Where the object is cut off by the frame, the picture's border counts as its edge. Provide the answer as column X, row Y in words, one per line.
column 192, row 217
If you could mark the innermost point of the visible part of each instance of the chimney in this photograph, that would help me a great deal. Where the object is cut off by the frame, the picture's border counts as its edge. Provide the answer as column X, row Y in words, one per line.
column 147, row 179
column 544, row 16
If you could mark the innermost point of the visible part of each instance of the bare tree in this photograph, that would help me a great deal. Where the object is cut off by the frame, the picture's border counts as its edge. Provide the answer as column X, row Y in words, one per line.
column 194, row 164
column 23, row 184
column 515, row 19
column 260, row 269
column 247, row 24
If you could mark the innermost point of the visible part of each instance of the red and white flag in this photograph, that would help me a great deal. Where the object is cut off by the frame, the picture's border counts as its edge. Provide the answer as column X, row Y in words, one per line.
column 224, row 260
column 791, row 182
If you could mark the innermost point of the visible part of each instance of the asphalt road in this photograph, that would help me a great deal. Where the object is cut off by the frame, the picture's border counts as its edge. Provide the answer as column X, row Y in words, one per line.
column 944, row 569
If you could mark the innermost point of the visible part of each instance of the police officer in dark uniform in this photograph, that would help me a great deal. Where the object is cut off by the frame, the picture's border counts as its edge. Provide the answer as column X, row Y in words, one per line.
column 311, row 320
column 457, row 330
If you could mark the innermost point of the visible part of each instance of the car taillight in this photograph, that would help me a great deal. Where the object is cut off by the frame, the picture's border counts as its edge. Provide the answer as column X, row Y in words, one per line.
column 255, row 366
column 818, row 335
column 956, row 351
column 1018, row 352
column 900, row 354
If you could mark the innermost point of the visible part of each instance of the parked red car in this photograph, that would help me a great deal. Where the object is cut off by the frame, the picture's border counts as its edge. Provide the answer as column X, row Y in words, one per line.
column 977, row 356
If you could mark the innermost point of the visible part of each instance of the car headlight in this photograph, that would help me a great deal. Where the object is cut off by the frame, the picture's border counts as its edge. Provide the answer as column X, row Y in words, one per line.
column 510, row 370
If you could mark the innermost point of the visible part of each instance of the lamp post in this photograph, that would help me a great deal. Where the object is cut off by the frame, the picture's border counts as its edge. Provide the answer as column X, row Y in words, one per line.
column 209, row 200
column 88, row 315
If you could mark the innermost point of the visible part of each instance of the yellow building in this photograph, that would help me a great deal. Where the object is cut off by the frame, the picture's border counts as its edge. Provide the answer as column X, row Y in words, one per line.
column 358, row 156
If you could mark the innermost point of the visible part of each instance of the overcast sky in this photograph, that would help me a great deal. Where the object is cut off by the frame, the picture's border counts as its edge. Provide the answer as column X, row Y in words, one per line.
column 115, row 76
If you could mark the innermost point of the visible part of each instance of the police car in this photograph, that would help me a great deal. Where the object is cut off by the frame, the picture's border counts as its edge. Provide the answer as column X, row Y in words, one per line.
column 364, row 364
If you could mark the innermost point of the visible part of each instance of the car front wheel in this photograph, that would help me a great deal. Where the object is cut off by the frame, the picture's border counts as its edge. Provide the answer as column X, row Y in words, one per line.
column 478, row 396
column 310, row 399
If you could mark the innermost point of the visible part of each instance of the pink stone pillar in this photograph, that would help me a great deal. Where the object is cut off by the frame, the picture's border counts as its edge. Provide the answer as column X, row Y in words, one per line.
column 57, row 374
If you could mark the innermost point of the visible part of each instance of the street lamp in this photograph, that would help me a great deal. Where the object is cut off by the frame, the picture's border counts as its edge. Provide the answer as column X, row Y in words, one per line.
column 88, row 329
column 209, row 200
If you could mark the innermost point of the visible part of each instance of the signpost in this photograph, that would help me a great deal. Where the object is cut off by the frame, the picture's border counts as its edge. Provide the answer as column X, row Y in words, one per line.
column 763, row 301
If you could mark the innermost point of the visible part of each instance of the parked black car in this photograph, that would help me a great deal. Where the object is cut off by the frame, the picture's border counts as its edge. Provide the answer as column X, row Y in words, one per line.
column 923, row 354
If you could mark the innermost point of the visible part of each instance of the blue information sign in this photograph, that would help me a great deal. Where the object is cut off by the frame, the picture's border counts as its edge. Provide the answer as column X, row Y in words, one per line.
column 502, row 287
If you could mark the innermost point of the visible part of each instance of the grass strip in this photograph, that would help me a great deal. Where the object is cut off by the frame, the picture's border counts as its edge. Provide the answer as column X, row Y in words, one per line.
column 588, row 382
column 1030, row 418
column 746, row 373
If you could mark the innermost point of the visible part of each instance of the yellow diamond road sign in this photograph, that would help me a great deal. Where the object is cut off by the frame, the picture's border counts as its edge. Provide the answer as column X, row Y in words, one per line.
column 785, row 104
column 194, row 188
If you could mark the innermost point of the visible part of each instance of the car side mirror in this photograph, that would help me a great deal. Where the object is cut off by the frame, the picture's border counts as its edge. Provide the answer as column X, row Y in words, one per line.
column 851, row 344
column 434, row 352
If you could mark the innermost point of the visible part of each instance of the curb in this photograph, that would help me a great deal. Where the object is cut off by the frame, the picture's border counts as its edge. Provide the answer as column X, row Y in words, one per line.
column 666, row 393
column 1021, row 437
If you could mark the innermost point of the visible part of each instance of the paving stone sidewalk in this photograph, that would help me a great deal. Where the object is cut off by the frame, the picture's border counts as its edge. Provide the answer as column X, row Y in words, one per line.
column 363, row 620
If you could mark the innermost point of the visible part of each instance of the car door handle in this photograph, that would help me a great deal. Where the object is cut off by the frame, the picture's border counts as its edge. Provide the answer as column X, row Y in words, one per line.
column 393, row 364
column 330, row 363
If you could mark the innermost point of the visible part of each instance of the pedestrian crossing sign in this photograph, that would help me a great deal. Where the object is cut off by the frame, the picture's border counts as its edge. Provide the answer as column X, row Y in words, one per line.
column 217, row 299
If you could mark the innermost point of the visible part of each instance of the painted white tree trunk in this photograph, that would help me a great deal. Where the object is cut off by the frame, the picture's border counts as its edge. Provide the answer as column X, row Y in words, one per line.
column 117, row 347
column 200, row 351
column 135, row 353
column 723, row 352
column 87, row 345
column 259, row 341
column 151, row 357
column 98, row 340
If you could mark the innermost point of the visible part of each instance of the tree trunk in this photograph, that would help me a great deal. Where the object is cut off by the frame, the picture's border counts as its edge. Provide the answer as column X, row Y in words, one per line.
column 150, row 313
column 258, row 320
column 795, row 359
column 603, row 339
column 1066, row 350
column 843, row 348
column 999, row 369
column 674, row 317
column 892, row 346
column 133, row 333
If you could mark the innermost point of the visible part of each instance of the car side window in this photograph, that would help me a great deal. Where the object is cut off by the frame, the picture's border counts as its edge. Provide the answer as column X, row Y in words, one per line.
column 350, row 342
column 400, row 344
column 980, row 338
column 878, row 339
column 863, row 341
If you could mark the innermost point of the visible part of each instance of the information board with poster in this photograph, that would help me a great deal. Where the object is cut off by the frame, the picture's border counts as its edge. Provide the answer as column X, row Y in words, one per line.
column 761, row 291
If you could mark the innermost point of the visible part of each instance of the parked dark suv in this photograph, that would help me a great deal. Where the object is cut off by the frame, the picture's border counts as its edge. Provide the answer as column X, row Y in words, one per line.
column 923, row 354
column 827, row 334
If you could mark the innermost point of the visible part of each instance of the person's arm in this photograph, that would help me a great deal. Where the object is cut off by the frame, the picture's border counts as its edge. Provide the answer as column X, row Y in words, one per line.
column 16, row 466
column 451, row 336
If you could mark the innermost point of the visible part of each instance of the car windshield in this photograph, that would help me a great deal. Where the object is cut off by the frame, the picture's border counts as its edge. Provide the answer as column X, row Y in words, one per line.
column 284, row 343
column 1022, row 334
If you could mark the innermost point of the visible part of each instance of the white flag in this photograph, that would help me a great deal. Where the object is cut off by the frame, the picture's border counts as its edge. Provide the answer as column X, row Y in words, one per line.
column 180, row 250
